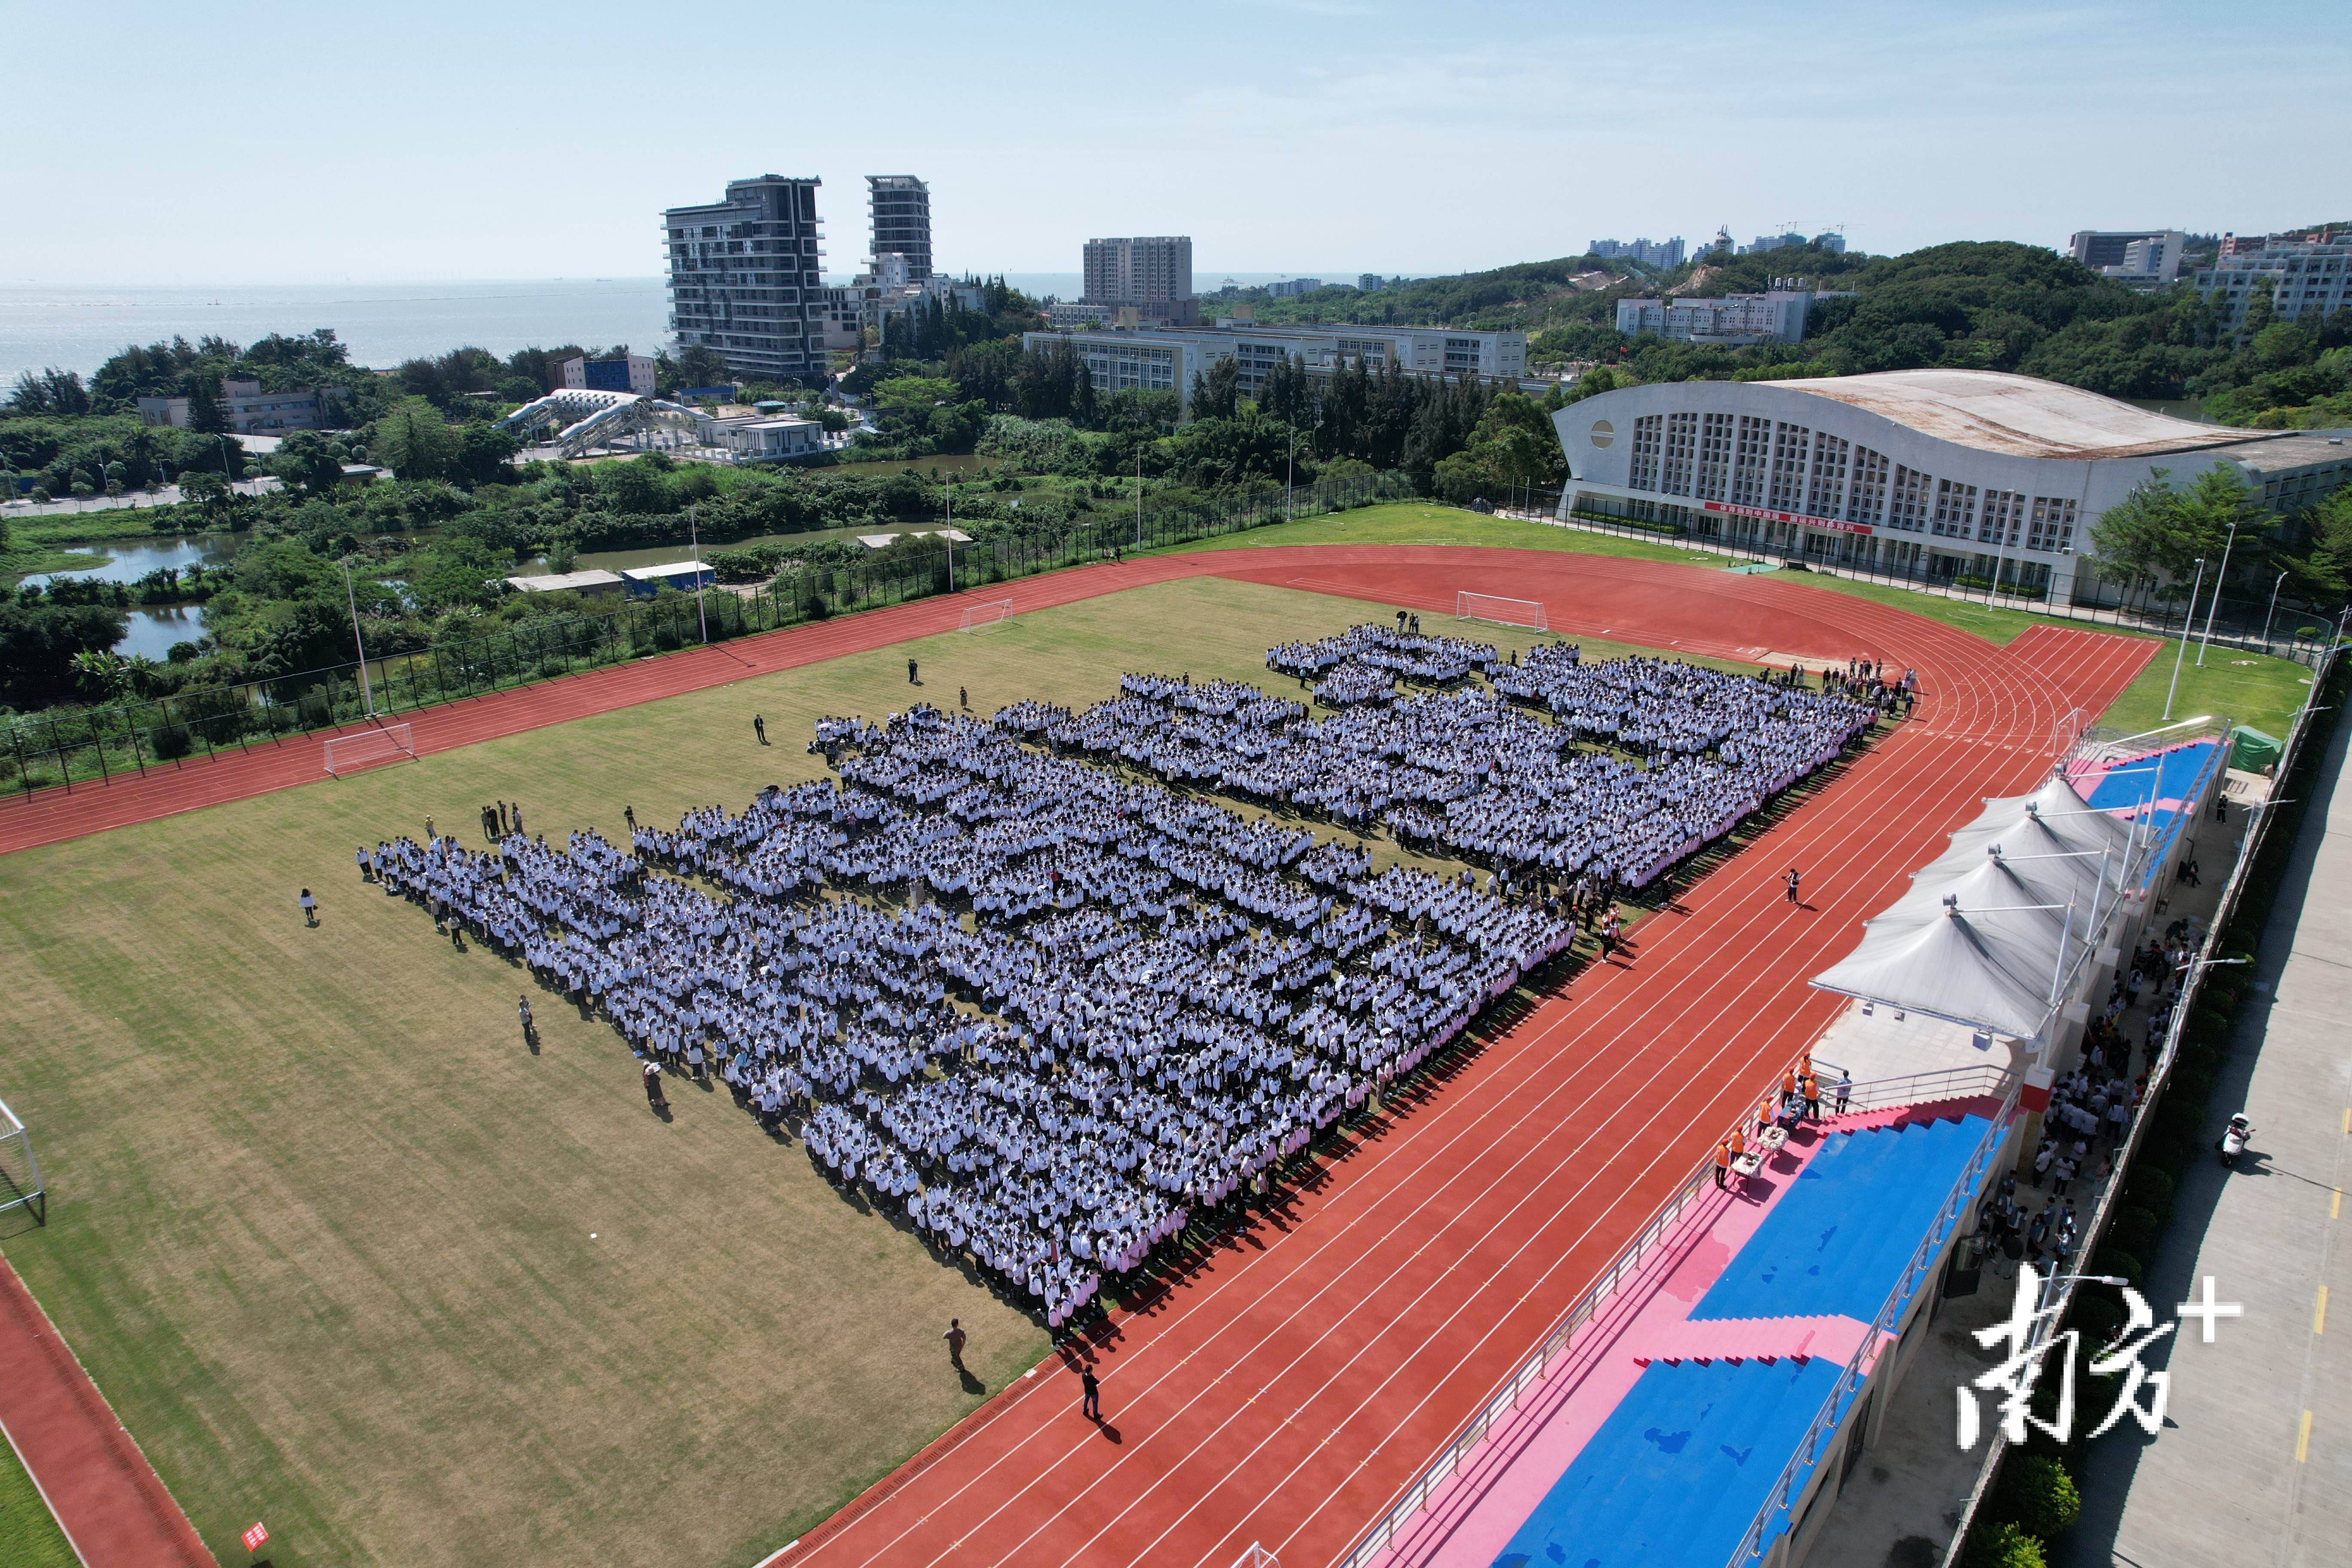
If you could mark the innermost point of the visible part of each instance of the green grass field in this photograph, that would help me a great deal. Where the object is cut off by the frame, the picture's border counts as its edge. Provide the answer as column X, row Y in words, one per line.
column 346, row 1257
column 2247, row 689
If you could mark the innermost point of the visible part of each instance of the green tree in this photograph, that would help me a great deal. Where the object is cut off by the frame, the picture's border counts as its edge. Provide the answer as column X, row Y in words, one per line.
column 483, row 455
column 204, row 413
column 306, row 460
column 2322, row 574
column 101, row 675
column 2140, row 536
column 639, row 486
column 2035, row 1492
column 700, row 365
column 412, row 440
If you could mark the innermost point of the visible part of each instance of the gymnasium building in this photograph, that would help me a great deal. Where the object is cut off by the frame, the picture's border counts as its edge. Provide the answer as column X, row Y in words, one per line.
column 1933, row 473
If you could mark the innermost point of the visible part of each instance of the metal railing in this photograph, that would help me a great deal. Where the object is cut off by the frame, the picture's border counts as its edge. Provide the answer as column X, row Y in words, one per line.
column 1416, row 1493
column 2060, row 1299
column 1977, row 1081
column 1772, row 1517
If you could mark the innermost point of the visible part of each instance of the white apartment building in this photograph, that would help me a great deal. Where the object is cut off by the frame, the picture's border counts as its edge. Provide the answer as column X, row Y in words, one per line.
column 250, row 411
column 744, row 278
column 2143, row 258
column 1166, row 359
column 1665, row 253
column 1728, row 321
column 2304, row 276
column 1147, row 269
column 1940, row 473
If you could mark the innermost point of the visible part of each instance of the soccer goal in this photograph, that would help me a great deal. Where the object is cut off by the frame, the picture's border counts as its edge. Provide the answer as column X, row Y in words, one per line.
column 360, row 747
column 980, row 617
column 1501, row 611
column 20, row 1173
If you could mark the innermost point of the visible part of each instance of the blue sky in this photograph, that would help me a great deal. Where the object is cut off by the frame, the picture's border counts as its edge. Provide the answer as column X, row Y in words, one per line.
column 266, row 143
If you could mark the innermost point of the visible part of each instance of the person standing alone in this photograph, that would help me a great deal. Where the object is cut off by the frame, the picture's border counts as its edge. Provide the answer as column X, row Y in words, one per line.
column 1793, row 878
column 1091, row 1406
column 760, row 728
column 530, row 1031
column 955, row 1338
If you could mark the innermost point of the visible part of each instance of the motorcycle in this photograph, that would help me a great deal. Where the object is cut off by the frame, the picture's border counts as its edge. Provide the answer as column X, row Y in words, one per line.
column 2234, row 1139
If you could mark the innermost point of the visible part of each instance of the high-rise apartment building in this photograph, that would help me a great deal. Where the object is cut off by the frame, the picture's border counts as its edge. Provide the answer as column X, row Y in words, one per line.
column 1153, row 275
column 744, row 278
column 900, row 216
column 1666, row 253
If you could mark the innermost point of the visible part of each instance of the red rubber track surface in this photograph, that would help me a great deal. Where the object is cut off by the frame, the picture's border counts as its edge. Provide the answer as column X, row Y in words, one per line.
column 1295, row 1379
column 109, row 1500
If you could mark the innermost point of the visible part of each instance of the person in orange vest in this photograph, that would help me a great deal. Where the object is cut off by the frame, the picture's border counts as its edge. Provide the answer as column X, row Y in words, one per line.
column 1812, row 1098
column 1763, row 1115
column 1723, row 1164
column 1738, row 1143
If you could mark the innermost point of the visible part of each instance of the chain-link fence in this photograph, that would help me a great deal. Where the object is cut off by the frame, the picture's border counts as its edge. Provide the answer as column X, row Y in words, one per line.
column 63, row 747
column 2266, row 624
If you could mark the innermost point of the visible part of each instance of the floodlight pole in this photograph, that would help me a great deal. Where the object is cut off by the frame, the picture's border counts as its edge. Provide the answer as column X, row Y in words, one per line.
column 2186, row 621
column 1139, row 497
column 1289, row 477
column 367, row 696
column 2272, row 611
column 694, row 536
column 2220, row 578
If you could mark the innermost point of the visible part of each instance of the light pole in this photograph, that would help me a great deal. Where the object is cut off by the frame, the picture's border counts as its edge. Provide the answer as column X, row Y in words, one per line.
column 1289, row 476
column 2272, row 611
column 367, row 696
column 694, row 534
column 2185, row 623
column 2220, row 578
column 1139, row 497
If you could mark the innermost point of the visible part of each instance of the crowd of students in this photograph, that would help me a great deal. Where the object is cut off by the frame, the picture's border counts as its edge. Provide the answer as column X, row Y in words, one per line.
column 1051, row 1010
column 1157, row 999
column 1480, row 776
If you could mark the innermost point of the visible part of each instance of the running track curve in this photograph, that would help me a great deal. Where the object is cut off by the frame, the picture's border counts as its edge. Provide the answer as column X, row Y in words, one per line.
column 1291, row 1382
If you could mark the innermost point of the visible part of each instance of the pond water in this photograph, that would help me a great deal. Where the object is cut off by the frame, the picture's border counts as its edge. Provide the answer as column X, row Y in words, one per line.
column 126, row 560
column 151, row 631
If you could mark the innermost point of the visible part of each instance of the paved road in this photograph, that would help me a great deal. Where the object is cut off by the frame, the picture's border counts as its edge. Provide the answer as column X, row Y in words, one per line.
column 2255, row 1467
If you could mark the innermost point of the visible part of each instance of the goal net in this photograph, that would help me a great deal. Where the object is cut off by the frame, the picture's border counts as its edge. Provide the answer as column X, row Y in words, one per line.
column 980, row 617
column 1501, row 611
column 20, row 1173
column 360, row 747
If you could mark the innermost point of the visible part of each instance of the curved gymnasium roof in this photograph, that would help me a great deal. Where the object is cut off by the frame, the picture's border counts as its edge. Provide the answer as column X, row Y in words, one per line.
column 2015, row 416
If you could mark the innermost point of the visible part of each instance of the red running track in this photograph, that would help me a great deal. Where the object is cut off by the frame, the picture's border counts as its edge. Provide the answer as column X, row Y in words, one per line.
column 108, row 1499
column 1289, row 1384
